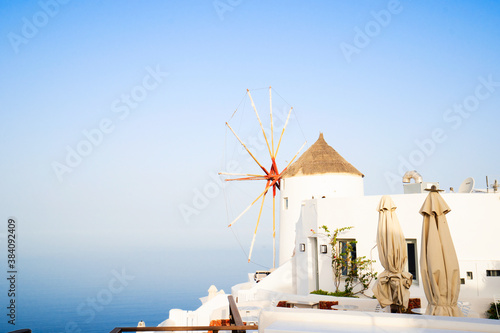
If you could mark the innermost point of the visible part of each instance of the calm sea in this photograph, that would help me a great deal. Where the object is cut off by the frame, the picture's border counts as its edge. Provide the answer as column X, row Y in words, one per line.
column 72, row 294
column 96, row 307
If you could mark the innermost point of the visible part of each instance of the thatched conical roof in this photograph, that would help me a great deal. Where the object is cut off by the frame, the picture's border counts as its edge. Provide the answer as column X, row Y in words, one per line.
column 320, row 158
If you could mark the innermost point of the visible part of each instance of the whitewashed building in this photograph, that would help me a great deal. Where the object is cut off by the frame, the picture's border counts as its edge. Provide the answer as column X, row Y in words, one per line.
column 319, row 173
column 322, row 188
column 338, row 201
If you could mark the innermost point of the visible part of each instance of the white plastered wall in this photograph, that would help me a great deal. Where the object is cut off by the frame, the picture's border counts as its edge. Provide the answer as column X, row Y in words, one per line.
column 300, row 188
column 474, row 223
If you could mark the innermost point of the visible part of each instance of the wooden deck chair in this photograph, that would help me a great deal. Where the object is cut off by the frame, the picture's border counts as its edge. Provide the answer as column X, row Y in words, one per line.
column 413, row 303
column 283, row 304
column 327, row 305
column 234, row 314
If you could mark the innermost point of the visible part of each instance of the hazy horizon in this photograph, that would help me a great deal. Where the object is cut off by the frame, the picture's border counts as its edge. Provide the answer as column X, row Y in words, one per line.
column 113, row 127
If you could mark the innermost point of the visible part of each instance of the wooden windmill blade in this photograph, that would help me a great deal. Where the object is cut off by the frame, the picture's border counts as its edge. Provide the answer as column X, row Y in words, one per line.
column 272, row 176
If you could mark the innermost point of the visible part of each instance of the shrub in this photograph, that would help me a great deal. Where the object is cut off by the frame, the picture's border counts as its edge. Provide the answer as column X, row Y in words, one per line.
column 359, row 273
column 327, row 293
column 492, row 311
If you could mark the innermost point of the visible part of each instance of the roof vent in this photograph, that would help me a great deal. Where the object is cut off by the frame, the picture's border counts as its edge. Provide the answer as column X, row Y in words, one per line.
column 412, row 175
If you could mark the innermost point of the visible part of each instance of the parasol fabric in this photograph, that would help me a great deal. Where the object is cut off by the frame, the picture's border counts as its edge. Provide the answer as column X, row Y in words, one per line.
column 438, row 261
column 393, row 285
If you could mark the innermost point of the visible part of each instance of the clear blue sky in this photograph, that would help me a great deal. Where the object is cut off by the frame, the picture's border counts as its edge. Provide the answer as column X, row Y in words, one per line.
column 384, row 81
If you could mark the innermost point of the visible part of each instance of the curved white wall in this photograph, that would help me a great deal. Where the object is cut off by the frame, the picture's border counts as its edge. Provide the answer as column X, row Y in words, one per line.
column 300, row 188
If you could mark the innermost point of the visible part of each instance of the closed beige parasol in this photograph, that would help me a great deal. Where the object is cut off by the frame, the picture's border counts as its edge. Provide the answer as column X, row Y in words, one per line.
column 392, row 286
column 438, row 261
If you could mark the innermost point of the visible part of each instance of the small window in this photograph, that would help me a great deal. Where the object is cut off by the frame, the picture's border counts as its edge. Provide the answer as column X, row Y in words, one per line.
column 285, row 202
column 411, row 247
column 462, row 281
column 493, row 272
column 342, row 250
column 469, row 276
